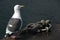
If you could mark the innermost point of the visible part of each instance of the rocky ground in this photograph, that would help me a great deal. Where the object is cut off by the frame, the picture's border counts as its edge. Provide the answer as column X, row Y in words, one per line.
column 53, row 35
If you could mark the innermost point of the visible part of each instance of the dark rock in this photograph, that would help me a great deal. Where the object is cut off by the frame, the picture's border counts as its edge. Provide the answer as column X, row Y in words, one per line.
column 53, row 35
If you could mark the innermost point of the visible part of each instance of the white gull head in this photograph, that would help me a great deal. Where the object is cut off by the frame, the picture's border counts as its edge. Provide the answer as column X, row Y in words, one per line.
column 17, row 11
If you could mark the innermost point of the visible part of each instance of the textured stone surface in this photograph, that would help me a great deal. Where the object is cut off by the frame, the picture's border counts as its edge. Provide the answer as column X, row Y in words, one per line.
column 53, row 35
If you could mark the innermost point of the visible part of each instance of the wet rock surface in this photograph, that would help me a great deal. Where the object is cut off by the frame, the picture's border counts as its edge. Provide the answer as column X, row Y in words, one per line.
column 53, row 35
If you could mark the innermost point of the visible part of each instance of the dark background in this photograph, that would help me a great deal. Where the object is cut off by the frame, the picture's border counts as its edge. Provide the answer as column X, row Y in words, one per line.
column 34, row 11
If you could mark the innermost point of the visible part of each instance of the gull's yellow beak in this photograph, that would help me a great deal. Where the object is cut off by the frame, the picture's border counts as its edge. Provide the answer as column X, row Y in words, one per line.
column 21, row 5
